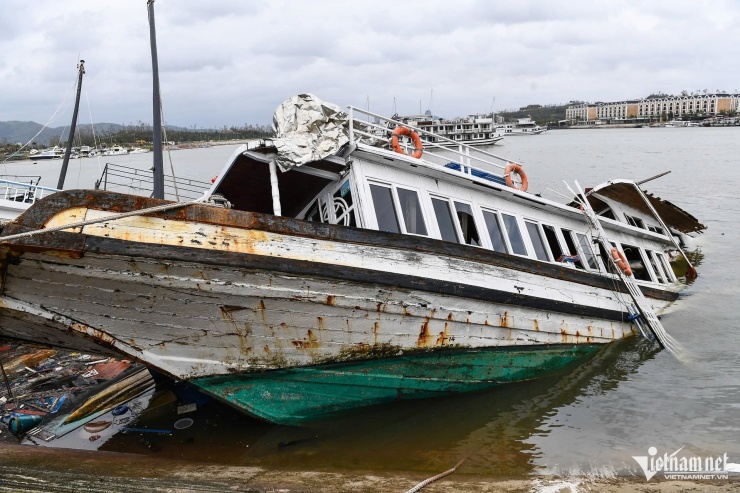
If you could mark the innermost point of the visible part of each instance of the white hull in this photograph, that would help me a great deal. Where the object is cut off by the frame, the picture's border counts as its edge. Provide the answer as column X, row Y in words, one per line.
column 193, row 319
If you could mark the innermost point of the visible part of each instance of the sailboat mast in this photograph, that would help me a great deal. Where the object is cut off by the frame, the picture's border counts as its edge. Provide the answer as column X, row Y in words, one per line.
column 72, row 128
column 157, row 116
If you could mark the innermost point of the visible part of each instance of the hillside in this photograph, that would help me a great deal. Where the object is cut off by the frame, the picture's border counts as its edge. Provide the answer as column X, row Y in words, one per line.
column 14, row 132
column 542, row 114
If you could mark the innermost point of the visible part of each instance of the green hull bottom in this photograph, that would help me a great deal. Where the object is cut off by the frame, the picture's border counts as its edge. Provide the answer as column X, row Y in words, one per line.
column 296, row 395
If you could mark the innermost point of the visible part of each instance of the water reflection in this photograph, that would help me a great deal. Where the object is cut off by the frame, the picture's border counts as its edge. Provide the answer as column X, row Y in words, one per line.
column 493, row 428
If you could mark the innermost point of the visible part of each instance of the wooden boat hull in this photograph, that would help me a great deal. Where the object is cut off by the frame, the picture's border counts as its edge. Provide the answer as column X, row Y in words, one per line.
column 248, row 305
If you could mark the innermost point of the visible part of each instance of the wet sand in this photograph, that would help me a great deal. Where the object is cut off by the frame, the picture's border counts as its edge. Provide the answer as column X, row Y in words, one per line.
column 36, row 469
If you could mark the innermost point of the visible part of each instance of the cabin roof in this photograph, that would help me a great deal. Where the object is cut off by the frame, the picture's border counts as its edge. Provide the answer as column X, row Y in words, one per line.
column 623, row 191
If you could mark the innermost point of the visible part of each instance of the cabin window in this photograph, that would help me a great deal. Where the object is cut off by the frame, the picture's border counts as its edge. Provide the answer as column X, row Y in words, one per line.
column 515, row 236
column 635, row 221
column 385, row 211
column 588, row 252
column 413, row 219
column 656, row 229
column 666, row 267
column 637, row 262
column 538, row 242
column 608, row 213
column 552, row 240
column 467, row 224
column 570, row 243
column 494, row 231
column 444, row 219
column 656, row 267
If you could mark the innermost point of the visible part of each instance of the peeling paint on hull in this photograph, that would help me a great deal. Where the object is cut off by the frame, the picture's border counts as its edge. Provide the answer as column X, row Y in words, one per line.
column 254, row 294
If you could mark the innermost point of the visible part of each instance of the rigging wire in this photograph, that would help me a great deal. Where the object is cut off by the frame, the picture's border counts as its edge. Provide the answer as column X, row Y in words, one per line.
column 59, row 108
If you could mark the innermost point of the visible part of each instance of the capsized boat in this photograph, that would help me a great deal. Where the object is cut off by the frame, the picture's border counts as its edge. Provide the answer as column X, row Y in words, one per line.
column 330, row 269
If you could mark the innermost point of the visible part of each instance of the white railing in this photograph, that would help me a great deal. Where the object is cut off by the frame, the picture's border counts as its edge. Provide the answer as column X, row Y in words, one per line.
column 442, row 152
column 28, row 193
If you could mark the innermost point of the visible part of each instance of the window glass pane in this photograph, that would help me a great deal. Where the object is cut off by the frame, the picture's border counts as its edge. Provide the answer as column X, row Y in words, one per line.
column 384, row 210
column 666, row 267
column 444, row 219
column 515, row 236
column 568, row 236
column 587, row 251
column 634, row 257
column 552, row 240
column 411, row 212
column 494, row 231
column 467, row 224
column 537, row 242
column 656, row 268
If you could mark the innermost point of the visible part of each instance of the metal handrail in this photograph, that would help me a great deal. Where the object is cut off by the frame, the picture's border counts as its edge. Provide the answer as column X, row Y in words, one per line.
column 141, row 182
column 469, row 158
column 16, row 191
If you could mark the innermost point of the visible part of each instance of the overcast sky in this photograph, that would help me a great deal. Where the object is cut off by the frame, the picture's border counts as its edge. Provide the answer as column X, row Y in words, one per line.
column 231, row 62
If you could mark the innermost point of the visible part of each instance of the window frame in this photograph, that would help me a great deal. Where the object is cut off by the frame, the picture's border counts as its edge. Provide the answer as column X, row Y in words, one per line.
column 543, row 240
column 398, row 210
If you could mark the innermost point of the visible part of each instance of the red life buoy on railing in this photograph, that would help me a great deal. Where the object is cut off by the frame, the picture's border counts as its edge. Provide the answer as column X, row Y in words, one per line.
column 515, row 168
column 621, row 262
column 398, row 132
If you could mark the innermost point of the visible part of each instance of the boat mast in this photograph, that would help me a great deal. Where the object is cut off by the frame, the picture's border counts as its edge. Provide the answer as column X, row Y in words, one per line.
column 70, row 140
column 158, row 192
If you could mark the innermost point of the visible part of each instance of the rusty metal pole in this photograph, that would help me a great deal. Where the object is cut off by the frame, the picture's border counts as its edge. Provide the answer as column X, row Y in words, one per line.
column 158, row 161
column 72, row 128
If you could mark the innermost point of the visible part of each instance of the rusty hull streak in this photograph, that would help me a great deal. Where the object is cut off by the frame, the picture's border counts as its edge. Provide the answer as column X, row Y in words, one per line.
column 309, row 342
column 425, row 337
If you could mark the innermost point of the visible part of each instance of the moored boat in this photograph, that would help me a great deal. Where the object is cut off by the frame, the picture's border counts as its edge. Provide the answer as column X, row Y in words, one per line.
column 357, row 275
column 115, row 150
column 476, row 130
column 55, row 152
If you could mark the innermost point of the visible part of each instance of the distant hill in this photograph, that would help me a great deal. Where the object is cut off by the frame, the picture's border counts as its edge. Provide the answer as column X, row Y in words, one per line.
column 14, row 132
column 539, row 113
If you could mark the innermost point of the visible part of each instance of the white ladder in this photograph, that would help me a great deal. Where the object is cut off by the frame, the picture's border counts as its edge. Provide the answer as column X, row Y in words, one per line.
column 640, row 313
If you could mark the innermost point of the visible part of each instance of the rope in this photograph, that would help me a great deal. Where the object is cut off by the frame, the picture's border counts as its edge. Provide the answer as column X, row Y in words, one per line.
column 80, row 224
column 435, row 478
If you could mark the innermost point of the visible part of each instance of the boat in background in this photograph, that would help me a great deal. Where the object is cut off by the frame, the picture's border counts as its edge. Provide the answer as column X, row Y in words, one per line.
column 356, row 275
column 55, row 152
column 18, row 193
column 475, row 130
column 680, row 124
column 138, row 150
column 115, row 150
column 523, row 126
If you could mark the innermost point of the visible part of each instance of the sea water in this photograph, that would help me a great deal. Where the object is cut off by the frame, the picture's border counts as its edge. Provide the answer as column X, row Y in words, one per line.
column 592, row 418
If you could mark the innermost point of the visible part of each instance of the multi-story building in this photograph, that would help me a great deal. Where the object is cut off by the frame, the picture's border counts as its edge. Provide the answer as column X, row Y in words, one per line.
column 656, row 108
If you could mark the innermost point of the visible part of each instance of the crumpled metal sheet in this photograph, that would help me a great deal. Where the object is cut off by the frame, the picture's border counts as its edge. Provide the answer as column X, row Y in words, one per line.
column 308, row 129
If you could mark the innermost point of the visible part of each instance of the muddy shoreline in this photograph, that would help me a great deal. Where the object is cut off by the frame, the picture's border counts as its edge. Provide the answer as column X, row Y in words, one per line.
column 26, row 468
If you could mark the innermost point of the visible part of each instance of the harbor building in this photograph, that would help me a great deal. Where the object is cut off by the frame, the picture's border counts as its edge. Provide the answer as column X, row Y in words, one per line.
column 654, row 108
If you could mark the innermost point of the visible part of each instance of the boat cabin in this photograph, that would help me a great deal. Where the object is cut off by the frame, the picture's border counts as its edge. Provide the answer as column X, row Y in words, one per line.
column 460, row 197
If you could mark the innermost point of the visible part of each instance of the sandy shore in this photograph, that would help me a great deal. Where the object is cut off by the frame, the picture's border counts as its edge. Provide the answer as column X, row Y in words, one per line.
column 35, row 469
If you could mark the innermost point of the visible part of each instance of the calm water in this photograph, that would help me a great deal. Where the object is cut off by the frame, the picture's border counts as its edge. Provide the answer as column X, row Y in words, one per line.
column 593, row 418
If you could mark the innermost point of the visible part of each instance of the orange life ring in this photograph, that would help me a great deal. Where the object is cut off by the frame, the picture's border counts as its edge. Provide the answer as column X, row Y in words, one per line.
column 621, row 262
column 515, row 168
column 398, row 132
